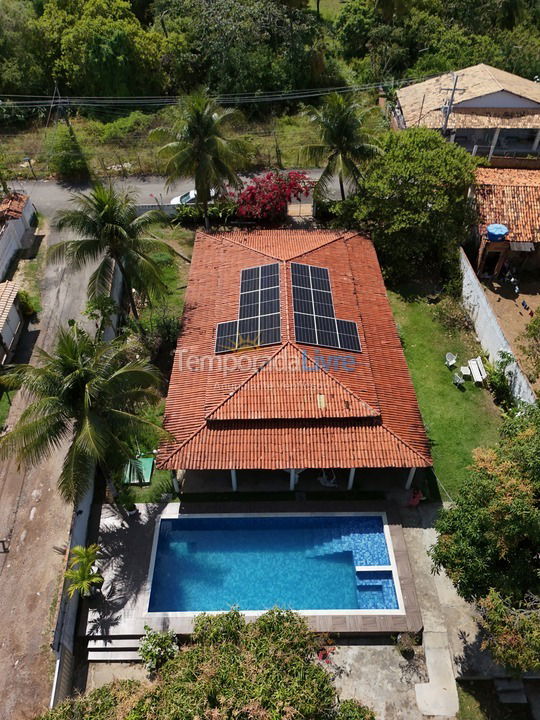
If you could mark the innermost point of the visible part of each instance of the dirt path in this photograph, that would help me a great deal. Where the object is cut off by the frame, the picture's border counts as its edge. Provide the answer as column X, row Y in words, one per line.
column 38, row 520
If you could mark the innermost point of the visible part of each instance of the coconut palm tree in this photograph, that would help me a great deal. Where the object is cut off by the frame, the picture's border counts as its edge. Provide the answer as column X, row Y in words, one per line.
column 86, row 393
column 198, row 148
column 81, row 571
column 108, row 229
column 348, row 140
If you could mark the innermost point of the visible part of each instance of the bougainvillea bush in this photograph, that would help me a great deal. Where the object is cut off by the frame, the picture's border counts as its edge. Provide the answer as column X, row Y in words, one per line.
column 267, row 196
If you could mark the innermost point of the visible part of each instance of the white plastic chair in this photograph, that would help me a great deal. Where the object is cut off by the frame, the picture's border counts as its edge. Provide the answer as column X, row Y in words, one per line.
column 450, row 360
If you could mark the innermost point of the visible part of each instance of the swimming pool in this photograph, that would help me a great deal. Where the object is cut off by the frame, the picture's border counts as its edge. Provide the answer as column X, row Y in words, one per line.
column 339, row 562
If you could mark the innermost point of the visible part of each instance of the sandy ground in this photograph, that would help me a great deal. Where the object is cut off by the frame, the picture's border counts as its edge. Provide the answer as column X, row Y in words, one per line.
column 512, row 317
column 38, row 521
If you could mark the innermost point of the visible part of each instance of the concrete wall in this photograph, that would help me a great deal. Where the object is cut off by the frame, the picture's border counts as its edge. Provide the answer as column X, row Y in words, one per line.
column 502, row 99
column 489, row 331
column 167, row 209
column 64, row 634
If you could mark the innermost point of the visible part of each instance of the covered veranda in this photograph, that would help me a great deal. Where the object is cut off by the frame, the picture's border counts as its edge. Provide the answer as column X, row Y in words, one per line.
column 295, row 480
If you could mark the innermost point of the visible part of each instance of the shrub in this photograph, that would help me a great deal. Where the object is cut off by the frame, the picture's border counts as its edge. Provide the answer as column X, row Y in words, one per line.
column 353, row 710
column 221, row 213
column 157, row 647
column 29, row 306
column 500, row 380
column 65, row 156
column 267, row 197
column 530, row 346
column 452, row 315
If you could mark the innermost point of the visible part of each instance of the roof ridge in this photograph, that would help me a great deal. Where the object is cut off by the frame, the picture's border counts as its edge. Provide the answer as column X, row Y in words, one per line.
column 248, row 247
column 324, row 244
column 336, row 380
column 407, row 444
column 294, row 346
column 246, row 380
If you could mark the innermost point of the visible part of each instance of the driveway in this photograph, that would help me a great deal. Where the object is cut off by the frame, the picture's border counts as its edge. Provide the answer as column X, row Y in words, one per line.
column 38, row 520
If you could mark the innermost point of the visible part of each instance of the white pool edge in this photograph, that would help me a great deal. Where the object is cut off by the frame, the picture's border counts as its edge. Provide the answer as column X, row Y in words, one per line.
column 257, row 613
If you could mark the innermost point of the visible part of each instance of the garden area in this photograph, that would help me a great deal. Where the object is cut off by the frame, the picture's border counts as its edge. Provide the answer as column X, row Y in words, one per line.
column 457, row 421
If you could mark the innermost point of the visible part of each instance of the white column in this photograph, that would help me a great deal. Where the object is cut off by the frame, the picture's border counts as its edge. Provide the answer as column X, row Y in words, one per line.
column 536, row 142
column 494, row 142
column 175, row 482
column 292, row 482
column 234, row 480
column 410, row 478
column 351, row 478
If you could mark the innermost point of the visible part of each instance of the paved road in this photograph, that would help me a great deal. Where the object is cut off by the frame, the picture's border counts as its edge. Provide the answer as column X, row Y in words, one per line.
column 39, row 520
column 31, row 510
column 49, row 196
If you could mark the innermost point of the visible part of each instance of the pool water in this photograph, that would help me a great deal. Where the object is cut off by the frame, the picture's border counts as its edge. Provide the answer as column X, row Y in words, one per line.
column 255, row 563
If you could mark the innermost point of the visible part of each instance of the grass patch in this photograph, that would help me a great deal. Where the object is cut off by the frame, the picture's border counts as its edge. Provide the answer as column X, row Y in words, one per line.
column 478, row 701
column 457, row 421
column 329, row 8
column 124, row 148
column 4, row 408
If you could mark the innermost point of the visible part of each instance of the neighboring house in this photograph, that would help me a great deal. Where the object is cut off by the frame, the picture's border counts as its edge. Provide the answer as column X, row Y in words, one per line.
column 486, row 110
column 16, row 213
column 511, row 198
column 289, row 360
column 11, row 320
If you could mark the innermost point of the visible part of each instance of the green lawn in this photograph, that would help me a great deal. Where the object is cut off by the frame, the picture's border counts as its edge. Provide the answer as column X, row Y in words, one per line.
column 478, row 701
column 457, row 421
column 329, row 8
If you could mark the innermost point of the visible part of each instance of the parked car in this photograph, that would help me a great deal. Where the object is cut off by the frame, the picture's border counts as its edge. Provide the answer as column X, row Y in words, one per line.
column 190, row 198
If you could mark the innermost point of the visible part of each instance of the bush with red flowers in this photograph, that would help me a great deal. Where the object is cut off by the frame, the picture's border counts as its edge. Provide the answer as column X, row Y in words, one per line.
column 266, row 197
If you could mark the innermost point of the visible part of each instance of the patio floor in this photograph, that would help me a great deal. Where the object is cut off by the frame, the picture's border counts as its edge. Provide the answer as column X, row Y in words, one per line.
column 122, row 608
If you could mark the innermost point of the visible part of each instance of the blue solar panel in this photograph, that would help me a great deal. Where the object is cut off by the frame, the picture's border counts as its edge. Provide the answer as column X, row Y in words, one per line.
column 259, row 320
column 315, row 322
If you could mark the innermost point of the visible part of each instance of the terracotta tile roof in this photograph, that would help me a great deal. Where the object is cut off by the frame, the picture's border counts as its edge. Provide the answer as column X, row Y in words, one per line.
column 8, row 293
column 12, row 206
column 422, row 103
column 511, row 197
column 290, row 405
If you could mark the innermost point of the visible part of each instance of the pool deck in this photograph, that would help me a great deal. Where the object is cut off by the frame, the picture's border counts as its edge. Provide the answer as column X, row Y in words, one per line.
column 127, row 542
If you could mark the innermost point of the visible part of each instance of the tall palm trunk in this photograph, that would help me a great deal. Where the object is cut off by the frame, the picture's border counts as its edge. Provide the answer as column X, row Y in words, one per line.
column 341, row 186
column 132, row 303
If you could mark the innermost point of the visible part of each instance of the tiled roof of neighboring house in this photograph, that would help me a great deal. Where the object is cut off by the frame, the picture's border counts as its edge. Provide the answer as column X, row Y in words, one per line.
column 12, row 206
column 422, row 103
column 8, row 293
column 283, row 406
column 511, row 197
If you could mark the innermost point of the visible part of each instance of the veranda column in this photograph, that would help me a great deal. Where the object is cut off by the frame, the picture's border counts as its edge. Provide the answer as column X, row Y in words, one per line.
column 410, row 477
column 292, row 482
column 234, row 480
column 352, row 472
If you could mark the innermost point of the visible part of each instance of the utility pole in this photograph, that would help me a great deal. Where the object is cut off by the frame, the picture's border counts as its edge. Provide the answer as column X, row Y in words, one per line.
column 447, row 108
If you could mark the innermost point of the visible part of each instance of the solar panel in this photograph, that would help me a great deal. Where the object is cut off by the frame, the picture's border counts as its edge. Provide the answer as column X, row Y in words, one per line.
column 315, row 322
column 259, row 319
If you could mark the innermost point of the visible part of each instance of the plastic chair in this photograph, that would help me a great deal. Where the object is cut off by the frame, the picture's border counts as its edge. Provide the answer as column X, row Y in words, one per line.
column 450, row 359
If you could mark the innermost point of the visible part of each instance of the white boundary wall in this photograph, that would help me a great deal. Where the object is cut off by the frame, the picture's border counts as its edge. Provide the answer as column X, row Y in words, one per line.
column 488, row 330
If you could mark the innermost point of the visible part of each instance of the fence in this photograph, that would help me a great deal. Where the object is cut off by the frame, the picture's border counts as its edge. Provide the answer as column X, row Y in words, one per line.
column 488, row 330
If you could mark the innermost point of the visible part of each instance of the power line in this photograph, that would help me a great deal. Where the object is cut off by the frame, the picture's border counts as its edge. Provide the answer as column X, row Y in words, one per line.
column 40, row 101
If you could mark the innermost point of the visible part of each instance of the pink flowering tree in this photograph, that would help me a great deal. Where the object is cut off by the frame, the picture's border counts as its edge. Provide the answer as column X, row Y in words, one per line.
column 267, row 196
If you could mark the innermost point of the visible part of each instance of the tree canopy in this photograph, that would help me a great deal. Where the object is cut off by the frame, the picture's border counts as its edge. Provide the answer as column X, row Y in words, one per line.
column 264, row 669
column 489, row 538
column 414, row 200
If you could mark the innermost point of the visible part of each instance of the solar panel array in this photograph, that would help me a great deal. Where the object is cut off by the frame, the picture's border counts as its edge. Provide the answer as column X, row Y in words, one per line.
column 259, row 320
column 315, row 322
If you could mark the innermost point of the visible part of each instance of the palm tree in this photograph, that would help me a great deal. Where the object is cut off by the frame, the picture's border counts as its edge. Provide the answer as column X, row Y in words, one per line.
column 348, row 140
column 108, row 229
column 81, row 572
column 197, row 148
column 87, row 393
